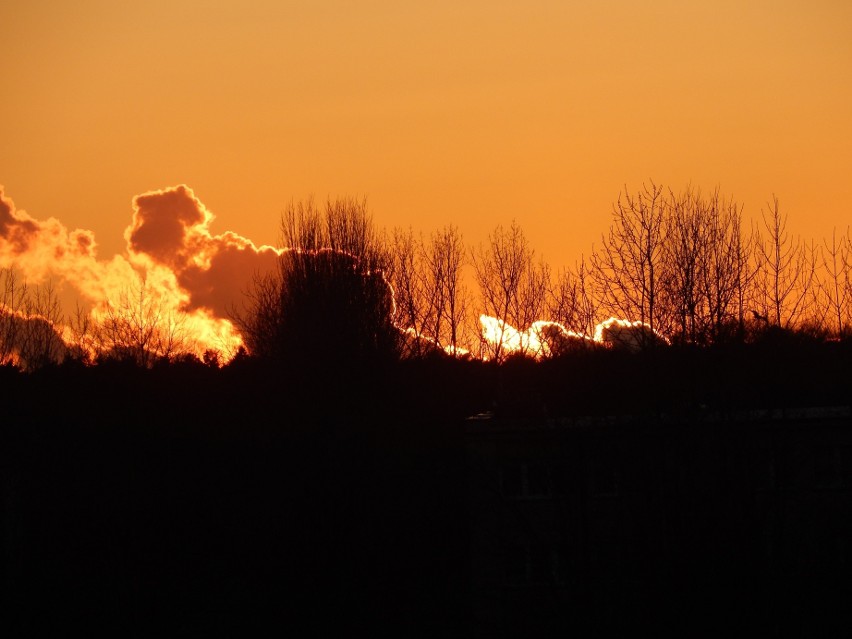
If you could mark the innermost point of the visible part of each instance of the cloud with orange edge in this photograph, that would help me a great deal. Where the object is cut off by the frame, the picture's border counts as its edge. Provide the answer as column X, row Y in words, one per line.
column 171, row 255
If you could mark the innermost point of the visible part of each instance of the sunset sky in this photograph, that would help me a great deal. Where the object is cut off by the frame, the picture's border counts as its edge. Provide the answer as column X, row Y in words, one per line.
column 471, row 113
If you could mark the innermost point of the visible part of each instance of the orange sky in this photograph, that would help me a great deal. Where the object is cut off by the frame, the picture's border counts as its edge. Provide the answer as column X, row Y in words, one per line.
column 470, row 113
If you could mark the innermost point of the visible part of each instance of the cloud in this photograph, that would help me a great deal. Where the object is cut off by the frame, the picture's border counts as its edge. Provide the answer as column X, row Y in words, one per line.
column 548, row 339
column 193, row 276
column 558, row 340
column 17, row 229
column 171, row 227
column 624, row 334
column 542, row 339
column 196, row 278
column 167, row 225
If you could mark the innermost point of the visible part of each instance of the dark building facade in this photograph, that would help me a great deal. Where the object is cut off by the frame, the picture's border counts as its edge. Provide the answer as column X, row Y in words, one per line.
column 701, row 523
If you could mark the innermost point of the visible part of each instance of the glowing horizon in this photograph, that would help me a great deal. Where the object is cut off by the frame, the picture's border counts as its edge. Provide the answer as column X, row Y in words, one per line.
column 173, row 274
column 472, row 113
column 546, row 338
column 178, row 279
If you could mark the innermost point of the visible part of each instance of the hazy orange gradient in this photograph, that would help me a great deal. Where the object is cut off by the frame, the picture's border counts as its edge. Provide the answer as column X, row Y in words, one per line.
column 174, row 273
column 466, row 112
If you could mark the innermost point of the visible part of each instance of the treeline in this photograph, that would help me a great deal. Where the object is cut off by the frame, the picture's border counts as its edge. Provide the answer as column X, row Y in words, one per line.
column 687, row 265
column 214, row 500
column 138, row 327
column 686, row 268
column 313, row 480
column 683, row 268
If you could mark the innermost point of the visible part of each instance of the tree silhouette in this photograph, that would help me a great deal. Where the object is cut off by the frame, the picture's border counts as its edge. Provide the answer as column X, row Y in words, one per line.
column 328, row 304
column 140, row 327
column 513, row 285
column 705, row 267
column 445, row 256
column 836, row 285
column 572, row 300
column 786, row 271
column 628, row 267
column 406, row 277
column 30, row 323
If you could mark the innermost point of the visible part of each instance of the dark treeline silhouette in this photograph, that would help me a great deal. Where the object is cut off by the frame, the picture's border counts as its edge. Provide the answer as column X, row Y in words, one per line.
column 329, row 301
column 191, row 497
column 225, row 501
column 688, row 266
column 328, row 479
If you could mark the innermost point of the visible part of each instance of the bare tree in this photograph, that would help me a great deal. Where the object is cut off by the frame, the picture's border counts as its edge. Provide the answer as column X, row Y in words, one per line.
column 687, row 243
column 406, row 278
column 12, row 295
column 513, row 286
column 259, row 320
column 444, row 288
column 836, row 284
column 847, row 278
column 628, row 266
column 705, row 266
column 723, row 269
column 82, row 340
column 30, row 323
column 572, row 300
column 41, row 343
column 745, row 271
column 140, row 327
column 329, row 301
column 785, row 272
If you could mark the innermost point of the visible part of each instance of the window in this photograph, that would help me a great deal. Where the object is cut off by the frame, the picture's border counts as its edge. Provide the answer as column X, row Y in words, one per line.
column 827, row 467
column 604, row 477
column 529, row 564
column 526, row 480
column 764, row 476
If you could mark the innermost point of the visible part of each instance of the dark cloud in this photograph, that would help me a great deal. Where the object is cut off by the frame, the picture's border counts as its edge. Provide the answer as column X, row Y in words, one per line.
column 172, row 228
column 632, row 336
column 16, row 229
column 164, row 223
column 224, row 281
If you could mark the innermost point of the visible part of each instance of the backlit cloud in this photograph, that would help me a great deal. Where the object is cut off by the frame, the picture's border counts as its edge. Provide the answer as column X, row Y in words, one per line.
column 548, row 339
column 171, row 228
column 179, row 274
column 191, row 276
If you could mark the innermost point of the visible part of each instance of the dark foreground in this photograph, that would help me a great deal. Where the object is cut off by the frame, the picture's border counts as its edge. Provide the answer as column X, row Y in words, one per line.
column 194, row 501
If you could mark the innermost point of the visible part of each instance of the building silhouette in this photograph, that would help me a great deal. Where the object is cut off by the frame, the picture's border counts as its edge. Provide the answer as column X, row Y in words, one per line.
column 707, row 522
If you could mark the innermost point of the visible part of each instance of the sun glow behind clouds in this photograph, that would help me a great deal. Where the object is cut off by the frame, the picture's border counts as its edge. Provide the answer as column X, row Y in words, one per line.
column 176, row 278
column 546, row 338
column 178, row 282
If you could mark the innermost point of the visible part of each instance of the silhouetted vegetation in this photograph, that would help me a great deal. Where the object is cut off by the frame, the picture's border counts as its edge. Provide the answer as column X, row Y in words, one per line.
column 223, row 500
column 322, row 481
column 329, row 304
column 683, row 266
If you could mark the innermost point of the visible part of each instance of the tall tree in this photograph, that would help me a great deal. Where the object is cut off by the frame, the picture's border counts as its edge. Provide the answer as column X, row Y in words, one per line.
column 836, row 282
column 329, row 304
column 628, row 266
column 705, row 269
column 30, row 323
column 572, row 301
column 140, row 327
column 406, row 278
column 444, row 257
column 786, row 268
column 512, row 284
